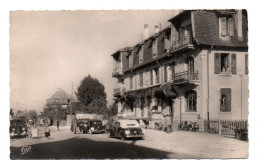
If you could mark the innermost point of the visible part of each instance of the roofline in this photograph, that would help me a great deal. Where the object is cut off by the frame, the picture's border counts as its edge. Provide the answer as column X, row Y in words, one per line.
column 179, row 14
column 143, row 41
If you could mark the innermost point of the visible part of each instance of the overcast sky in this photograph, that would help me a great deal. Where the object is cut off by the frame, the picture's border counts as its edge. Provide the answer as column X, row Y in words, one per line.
column 52, row 49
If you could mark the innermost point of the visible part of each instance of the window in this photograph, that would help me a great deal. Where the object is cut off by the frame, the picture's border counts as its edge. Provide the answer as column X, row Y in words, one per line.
column 191, row 101
column 131, row 82
column 156, row 70
column 131, row 59
column 224, row 63
column 167, row 43
column 173, row 70
column 165, row 73
column 226, row 26
column 141, row 54
column 154, row 47
column 246, row 63
column 225, row 99
column 141, row 79
column 151, row 77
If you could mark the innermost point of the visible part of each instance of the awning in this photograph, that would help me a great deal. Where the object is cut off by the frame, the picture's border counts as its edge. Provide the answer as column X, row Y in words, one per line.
column 166, row 89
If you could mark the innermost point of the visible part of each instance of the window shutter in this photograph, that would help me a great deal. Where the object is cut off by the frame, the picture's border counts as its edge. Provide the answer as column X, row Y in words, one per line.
column 165, row 73
column 231, row 27
column 217, row 63
column 223, row 26
column 228, row 100
column 246, row 63
column 233, row 63
column 151, row 77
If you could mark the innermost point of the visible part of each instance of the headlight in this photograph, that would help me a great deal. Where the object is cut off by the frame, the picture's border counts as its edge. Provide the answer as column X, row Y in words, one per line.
column 13, row 129
column 23, row 129
column 85, row 125
column 92, row 128
column 127, row 132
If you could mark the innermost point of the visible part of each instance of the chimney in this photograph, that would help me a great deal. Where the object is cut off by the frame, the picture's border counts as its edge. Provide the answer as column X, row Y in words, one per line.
column 157, row 28
column 146, row 31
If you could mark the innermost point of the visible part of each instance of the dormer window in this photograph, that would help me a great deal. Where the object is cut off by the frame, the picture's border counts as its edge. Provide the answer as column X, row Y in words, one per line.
column 131, row 59
column 226, row 26
column 154, row 47
column 141, row 55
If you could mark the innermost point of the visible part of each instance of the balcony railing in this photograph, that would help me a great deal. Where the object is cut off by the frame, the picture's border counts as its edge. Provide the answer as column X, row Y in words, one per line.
column 119, row 91
column 187, row 76
column 185, row 42
column 117, row 70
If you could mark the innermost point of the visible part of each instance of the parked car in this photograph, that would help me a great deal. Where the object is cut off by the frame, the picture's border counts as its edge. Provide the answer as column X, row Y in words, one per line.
column 111, row 122
column 125, row 129
column 18, row 128
column 83, row 125
column 95, row 126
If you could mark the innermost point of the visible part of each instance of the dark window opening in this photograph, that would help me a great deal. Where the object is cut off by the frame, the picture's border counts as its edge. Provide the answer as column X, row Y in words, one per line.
column 191, row 99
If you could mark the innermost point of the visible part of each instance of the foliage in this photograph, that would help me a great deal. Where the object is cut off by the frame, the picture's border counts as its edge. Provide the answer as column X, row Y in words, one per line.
column 112, row 110
column 98, row 106
column 54, row 112
column 21, row 113
column 91, row 95
column 32, row 114
column 11, row 112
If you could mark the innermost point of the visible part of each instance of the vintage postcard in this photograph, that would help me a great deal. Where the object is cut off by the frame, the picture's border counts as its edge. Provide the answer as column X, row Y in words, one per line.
column 139, row 84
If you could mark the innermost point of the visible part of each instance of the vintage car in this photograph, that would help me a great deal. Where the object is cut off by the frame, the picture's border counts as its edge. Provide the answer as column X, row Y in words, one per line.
column 95, row 126
column 18, row 128
column 125, row 129
column 111, row 122
column 83, row 125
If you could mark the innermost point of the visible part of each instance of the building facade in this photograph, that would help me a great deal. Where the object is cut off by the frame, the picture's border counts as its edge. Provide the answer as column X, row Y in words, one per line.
column 194, row 69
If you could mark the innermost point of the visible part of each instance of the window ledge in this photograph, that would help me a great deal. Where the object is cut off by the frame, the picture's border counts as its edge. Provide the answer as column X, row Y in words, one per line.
column 225, row 74
column 222, row 112
column 190, row 113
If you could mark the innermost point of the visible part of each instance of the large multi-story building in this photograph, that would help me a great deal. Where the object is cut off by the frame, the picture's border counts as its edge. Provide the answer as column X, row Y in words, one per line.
column 194, row 69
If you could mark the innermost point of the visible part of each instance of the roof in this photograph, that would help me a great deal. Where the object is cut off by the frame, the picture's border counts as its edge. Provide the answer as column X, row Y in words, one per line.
column 142, row 42
column 128, row 123
column 60, row 97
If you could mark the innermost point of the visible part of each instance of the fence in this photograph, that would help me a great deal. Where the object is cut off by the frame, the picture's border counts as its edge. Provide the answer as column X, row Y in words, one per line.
column 225, row 127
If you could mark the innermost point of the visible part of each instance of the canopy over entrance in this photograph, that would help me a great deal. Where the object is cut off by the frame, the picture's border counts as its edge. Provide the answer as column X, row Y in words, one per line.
column 166, row 89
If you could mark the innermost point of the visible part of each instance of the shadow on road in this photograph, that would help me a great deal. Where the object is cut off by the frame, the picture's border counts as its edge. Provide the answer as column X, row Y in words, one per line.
column 85, row 148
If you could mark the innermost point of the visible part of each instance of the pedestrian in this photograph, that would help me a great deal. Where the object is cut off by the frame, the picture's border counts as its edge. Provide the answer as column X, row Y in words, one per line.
column 74, row 125
column 47, row 132
column 58, row 125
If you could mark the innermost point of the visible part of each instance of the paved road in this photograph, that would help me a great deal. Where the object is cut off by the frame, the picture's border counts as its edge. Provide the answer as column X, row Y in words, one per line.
column 65, row 144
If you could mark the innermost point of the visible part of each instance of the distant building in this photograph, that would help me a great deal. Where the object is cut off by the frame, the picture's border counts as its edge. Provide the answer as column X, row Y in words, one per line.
column 61, row 98
column 194, row 69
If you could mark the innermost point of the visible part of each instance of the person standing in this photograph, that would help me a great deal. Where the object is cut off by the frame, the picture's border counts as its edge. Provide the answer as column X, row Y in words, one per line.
column 74, row 125
column 58, row 125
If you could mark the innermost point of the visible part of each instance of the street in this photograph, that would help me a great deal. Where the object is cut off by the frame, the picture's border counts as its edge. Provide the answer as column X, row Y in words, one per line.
column 157, row 144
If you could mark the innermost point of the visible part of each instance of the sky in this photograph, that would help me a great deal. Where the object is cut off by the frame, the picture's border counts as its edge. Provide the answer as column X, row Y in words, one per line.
column 57, row 49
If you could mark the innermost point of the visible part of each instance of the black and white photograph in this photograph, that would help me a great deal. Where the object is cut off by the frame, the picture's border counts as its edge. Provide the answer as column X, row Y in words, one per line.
column 129, row 84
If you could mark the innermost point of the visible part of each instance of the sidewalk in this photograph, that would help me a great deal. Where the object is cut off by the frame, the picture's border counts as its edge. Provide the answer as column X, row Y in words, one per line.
column 198, row 144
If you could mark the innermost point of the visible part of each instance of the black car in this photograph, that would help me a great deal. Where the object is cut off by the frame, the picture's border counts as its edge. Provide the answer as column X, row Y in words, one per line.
column 18, row 128
column 83, row 125
column 125, row 129
column 95, row 126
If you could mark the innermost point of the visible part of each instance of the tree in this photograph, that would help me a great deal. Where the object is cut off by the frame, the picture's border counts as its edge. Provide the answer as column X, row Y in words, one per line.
column 91, row 94
column 112, row 110
column 32, row 114
column 54, row 112
column 11, row 113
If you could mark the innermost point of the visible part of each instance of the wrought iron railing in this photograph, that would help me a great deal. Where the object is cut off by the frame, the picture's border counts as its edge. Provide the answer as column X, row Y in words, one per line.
column 186, row 76
column 182, row 42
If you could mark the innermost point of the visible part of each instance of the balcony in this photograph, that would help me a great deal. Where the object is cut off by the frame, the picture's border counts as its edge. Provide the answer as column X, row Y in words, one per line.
column 191, row 77
column 118, row 92
column 183, row 44
column 117, row 70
